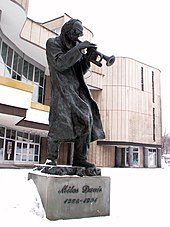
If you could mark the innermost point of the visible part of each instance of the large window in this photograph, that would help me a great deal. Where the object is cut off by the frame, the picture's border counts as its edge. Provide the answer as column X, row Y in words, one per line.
column 132, row 156
column 15, row 66
column 20, row 147
column 2, row 135
column 152, row 157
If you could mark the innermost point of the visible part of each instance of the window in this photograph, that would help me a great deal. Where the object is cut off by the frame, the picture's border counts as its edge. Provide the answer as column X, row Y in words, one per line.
column 25, row 70
column 30, row 72
column 1, row 148
column 153, row 88
column 142, row 82
column 152, row 157
column 153, row 124
column 14, row 66
column 9, row 58
column 2, row 131
column 132, row 156
column 0, row 43
column 4, row 52
column 19, row 146
column 28, row 147
column 10, row 134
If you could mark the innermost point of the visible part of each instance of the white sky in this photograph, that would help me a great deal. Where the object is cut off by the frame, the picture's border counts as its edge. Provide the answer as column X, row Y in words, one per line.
column 137, row 29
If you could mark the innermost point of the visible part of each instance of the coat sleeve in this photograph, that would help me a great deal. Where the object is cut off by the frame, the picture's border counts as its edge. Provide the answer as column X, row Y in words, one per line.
column 62, row 61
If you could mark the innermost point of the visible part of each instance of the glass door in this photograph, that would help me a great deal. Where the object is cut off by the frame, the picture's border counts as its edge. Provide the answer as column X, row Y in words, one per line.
column 9, row 149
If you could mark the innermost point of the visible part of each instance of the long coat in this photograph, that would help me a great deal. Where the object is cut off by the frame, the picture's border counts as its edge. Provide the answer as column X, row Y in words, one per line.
column 73, row 112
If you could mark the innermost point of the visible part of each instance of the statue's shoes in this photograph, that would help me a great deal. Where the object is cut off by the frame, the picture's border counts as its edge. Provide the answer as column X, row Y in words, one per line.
column 50, row 162
column 83, row 164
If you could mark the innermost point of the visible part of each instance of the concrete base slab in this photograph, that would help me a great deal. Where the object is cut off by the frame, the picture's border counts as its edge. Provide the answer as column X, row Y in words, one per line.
column 70, row 197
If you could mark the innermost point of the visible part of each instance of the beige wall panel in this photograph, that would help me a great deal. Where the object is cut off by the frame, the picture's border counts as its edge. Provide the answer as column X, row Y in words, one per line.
column 35, row 33
column 110, row 98
column 119, row 125
column 110, row 75
column 96, row 69
column 104, row 99
column 44, row 36
column 54, row 23
column 115, row 99
column 114, row 129
column 27, row 29
column 109, row 156
column 124, row 124
column 119, row 95
column 115, row 73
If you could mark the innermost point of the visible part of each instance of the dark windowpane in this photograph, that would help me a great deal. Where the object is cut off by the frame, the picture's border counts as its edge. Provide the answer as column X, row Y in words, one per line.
column 15, row 63
column 1, row 148
column 19, row 136
column 31, row 137
column 40, row 95
column 37, row 75
column 20, row 60
column 25, row 69
column 36, row 149
column 30, row 74
column 9, row 57
column 36, row 158
column 41, row 78
column 14, row 75
column 0, row 43
column 4, row 52
column 142, row 81
column 8, row 133
column 2, row 131
column 13, row 133
column 18, row 77
column 37, row 139
column 25, row 135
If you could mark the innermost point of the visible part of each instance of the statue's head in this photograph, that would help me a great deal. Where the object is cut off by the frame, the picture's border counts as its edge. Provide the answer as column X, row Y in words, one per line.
column 73, row 29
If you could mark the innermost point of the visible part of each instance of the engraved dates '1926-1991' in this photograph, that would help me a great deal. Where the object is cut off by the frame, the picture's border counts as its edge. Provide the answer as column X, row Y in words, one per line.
column 78, row 201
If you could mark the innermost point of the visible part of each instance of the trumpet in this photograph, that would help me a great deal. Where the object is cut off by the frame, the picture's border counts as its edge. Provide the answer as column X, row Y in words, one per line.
column 96, row 57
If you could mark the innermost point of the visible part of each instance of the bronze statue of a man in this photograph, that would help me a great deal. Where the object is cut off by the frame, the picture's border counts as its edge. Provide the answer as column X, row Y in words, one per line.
column 74, row 115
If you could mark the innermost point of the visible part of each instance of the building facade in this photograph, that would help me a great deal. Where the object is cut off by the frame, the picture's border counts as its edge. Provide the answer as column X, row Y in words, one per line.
column 128, row 95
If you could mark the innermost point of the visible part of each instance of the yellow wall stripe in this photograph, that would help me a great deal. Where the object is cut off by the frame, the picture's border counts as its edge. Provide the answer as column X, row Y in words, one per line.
column 9, row 82
column 39, row 106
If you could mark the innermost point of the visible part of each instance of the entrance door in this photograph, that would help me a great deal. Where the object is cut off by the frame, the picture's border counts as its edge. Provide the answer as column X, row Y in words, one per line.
column 9, row 149
column 152, row 158
column 21, row 152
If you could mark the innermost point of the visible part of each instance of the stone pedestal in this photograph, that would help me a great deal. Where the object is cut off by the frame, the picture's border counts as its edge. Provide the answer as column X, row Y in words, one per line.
column 69, row 197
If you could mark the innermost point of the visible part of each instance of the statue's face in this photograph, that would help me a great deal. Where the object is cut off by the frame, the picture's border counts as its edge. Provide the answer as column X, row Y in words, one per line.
column 76, row 31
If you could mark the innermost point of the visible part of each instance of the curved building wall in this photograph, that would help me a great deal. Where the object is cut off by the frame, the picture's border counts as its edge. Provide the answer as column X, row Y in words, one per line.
column 130, row 107
column 131, row 102
column 23, row 3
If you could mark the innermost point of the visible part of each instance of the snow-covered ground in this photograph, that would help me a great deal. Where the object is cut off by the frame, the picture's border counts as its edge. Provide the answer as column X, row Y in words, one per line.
column 139, row 198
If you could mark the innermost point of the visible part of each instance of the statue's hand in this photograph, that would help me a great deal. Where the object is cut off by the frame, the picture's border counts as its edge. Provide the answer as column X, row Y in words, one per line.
column 85, row 44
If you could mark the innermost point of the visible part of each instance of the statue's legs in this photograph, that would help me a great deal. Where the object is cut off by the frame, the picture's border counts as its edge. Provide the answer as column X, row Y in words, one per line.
column 53, row 151
column 81, row 147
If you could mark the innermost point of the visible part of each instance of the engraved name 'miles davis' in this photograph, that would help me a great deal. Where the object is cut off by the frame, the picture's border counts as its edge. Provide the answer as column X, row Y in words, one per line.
column 85, row 189
column 68, row 189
